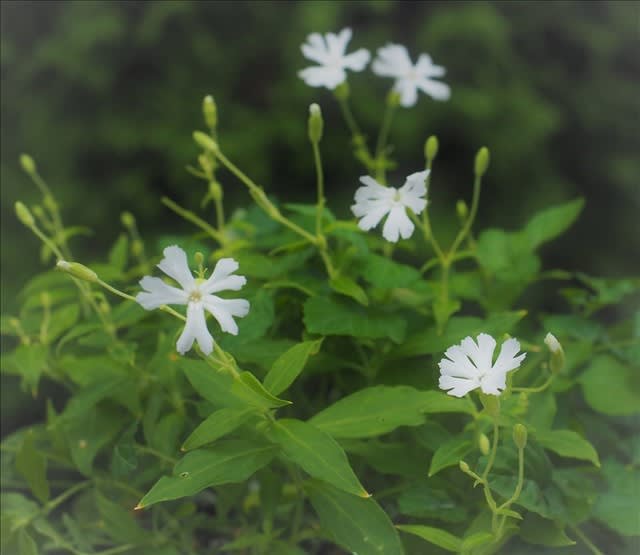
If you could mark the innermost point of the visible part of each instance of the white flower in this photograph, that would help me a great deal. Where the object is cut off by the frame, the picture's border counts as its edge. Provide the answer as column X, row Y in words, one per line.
column 197, row 294
column 470, row 365
column 329, row 52
column 393, row 61
column 375, row 201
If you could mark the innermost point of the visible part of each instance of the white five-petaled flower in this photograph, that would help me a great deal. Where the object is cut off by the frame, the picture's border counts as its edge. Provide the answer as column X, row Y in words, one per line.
column 198, row 295
column 329, row 52
column 470, row 365
column 374, row 201
column 393, row 61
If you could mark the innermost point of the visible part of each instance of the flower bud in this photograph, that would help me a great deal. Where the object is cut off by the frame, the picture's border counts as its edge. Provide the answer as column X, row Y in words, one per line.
column 128, row 220
column 431, row 148
column 206, row 163
column 206, row 142
column 342, row 91
column 199, row 259
column 23, row 214
column 210, row 112
column 483, row 444
column 50, row 203
column 393, row 99
column 77, row 270
column 482, row 161
column 520, row 436
column 27, row 163
column 462, row 210
column 215, row 190
column 557, row 353
column 316, row 123
column 464, row 467
column 38, row 211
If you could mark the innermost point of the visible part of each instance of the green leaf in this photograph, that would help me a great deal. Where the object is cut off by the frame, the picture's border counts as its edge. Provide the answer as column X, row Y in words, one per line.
column 550, row 223
column 429, row 341
column 438, row 402
column 359, row 525
column 226, row 462
column 507, row 256
column 421, row 499
column 449, row 454
column 222, row 389
column 86, row 400
column 476, row 540
column 118, row 522
column 617, row 506
column 372, row 412
column 346, row 286
column 317, row 453
column 330, row 316
column 125, row 456
column 567, row 443
column 289, row 365
column 217, row 425
column 27, row 361
column 26, row 544
column 443, row 309
column 611, row 387
column 541, row 531
column 62, row 319
column 436, row 536
column 383, row 272
column 119, row 252
column 33, row 467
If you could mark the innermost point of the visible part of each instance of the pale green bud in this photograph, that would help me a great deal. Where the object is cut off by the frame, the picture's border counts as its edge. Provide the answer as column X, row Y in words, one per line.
column 38, row 211
column 199, row 258
column 210, row 112
column 77, row 270
column 491, row 404
column 464, row 467
column 483, row 444
column 557, row 353
column 27, row 163
column 431, row 148
column 342, row 91
column 215, row 190
column 520, row 436
column 393, row 99
column 482, row 161
column 206, row 164
column 50, row 203
column 128, row 220
column 137, row 247
column 462, row 210
column 205, row 141
column 316, row 123
column 23, row 214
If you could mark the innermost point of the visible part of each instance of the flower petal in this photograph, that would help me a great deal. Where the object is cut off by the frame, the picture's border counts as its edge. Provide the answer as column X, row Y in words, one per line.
column 157, row 292
column 221, row 278
column 408, row 91
column 458, row 387
column 175, row 265
column 397, row 224
column 337, row 44
column 223, row 310
column 195, row 329
column 315, row 49
column 371, row 215
column 507, row 360
column 415, row 184
column 357, row 61
column 435, row 89
column 456, row 363
column 321, row 76
column 480, row 353
column 426, row 68
column 392, row 60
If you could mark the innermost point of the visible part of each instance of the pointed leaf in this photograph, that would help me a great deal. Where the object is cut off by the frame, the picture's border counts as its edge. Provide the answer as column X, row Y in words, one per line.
column 449, row 454
column 346, row 286
column 436, row 536
column 33, row 467
column 289, row 365
column 217, row 425
column 567, row 443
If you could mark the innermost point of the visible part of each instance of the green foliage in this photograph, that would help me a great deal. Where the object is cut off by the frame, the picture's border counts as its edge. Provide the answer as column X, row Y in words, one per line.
column 350, row 329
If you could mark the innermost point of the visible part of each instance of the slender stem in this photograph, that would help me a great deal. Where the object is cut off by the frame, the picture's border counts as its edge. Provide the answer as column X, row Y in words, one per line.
column 435, row 261
column 348, row 116
column 54, row 248
column 519, row 484
column 320, row 186
column 494, row 448
column 590, row 545
column 191, row 217
column 155, row 453
column 472, row 215
column 537, row 389
column 219, row 215
column 382, row 142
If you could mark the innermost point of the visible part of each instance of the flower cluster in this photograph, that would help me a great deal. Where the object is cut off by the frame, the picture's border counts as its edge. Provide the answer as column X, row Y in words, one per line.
column 392, row 60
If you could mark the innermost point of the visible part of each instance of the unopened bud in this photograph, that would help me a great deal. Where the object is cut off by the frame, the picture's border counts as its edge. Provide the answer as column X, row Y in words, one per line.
column 206, row 163
column 199, row 258
column 206, row 142
column 215, row 190
column 520, row 436
column 482, row 161
column 23, row 214
column 557, row 353
column 483, row 444
column 431, row 148
column 393, row 99
column 50, row 203
column 77, row 270
column 128, row 220
column 210, row 112
column 462, row 210
column 464, row 467
column 316, row 123
column 38, row 211
column 27, row 163
column 342, row 91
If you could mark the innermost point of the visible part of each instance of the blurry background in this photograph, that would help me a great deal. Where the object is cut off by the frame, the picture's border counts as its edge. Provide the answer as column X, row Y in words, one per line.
column 105, row 94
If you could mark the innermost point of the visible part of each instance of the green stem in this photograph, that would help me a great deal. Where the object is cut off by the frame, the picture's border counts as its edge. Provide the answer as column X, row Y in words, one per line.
column 590, row 545
column 494, row 449
column 320, row 186
column 191, row 217
column 472, row 215
column 537, row 389
column 382, row 142
column 157, row 454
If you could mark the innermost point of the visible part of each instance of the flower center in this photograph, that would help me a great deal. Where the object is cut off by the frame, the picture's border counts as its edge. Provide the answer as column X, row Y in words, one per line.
column 195, row 295
column 397, row 197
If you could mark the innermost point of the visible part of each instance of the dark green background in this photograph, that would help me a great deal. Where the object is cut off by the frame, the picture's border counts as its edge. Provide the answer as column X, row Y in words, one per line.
column 105, row 96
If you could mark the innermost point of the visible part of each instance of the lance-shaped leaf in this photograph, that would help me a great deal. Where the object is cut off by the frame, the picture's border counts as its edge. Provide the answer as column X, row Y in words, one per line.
column 289, row 365
column 217, row 425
